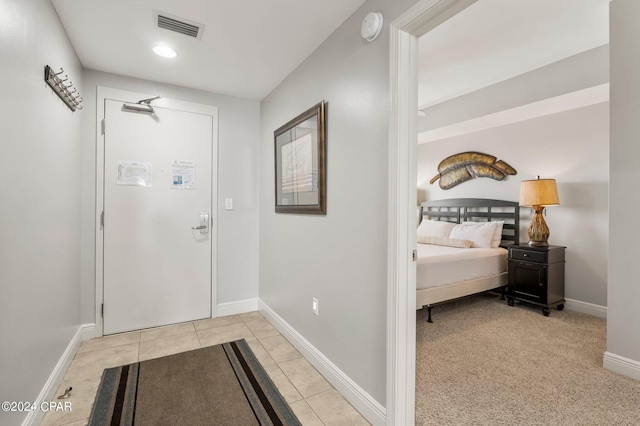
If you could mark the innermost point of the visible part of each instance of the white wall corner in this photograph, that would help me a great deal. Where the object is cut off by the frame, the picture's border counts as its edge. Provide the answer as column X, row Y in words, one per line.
column 586, row 308
column 234, row 308
column 55, row 378
column 621, row 365
column 361, row 400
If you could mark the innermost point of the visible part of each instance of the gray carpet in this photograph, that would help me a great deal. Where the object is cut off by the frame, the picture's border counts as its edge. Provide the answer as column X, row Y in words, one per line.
column 483, row 362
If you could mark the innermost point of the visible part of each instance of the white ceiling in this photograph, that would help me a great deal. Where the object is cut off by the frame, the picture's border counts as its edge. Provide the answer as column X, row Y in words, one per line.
column 494, row 40
column 248, row 46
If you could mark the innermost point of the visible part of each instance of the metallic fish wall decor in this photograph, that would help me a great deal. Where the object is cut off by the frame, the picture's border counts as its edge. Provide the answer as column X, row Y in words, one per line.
column 465, row 166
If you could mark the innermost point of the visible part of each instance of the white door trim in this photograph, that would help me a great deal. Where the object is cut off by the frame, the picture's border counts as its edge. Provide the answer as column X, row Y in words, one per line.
column 401, row 289
column 117, row 94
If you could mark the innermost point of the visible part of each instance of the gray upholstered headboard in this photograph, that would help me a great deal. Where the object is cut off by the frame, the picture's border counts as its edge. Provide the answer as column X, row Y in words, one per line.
column 476, row 210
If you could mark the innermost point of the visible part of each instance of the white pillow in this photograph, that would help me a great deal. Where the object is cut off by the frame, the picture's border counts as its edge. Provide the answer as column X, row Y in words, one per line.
column 443, row 241
column 497, row 234
column 434, row 228
column 480, row 233
column 496, row 239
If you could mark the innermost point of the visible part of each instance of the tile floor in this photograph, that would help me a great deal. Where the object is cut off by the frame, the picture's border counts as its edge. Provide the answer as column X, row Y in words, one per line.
column 312, row 398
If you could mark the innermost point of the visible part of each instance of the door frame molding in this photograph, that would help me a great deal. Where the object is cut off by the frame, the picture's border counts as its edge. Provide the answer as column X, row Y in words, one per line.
column 104, row 93
column 401, row 279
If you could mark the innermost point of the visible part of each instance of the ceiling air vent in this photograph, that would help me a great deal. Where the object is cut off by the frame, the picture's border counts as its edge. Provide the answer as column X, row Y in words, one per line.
column 179, row 25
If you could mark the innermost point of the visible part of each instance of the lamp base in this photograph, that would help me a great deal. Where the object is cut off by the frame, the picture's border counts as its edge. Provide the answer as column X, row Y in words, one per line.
column 538, row 244
column 538, row 229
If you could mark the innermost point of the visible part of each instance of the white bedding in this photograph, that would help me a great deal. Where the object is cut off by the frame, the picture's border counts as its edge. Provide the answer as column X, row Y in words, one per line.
column 441, row 265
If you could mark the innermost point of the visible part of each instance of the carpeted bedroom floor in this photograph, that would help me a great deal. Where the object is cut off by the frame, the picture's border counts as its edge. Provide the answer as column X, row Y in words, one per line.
column 483, row 362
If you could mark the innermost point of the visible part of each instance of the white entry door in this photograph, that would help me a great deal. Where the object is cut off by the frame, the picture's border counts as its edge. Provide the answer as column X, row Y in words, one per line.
column 157, row 217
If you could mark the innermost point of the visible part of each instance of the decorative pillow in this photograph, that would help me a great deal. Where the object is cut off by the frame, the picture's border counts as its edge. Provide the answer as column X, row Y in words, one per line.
column 480, row 233
column 434, row 228
column 496, row 239
column 443, row 241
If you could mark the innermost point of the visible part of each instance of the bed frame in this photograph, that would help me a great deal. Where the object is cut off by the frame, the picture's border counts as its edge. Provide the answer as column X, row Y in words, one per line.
column 458, row 210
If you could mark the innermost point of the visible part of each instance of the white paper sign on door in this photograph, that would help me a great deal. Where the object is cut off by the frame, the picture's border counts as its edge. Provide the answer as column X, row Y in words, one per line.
column 136, row 173
column 183, row 174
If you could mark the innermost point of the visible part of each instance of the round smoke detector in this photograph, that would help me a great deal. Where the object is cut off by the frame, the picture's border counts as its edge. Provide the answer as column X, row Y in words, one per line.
column 371, row 26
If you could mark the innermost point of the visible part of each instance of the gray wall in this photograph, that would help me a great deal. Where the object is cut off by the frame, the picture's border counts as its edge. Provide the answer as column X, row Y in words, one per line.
column 40, row 199
column 339, row 258
column 571, row 147
column 238, row 166
column 623, row 333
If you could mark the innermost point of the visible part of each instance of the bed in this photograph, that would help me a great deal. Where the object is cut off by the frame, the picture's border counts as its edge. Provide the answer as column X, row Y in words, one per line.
column 450, row 266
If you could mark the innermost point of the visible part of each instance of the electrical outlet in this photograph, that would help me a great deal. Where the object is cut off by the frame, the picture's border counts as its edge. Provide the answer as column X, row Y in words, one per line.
column 314, row 306
column 228, row 203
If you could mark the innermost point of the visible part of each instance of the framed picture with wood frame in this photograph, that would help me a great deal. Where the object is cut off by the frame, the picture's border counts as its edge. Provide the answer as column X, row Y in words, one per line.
column 300, row 163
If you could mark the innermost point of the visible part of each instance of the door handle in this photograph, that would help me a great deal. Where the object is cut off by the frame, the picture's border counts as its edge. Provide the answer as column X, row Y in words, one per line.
column 204, row 223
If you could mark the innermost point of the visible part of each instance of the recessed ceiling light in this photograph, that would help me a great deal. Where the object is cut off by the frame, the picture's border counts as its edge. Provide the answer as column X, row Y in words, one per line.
column 165, row 51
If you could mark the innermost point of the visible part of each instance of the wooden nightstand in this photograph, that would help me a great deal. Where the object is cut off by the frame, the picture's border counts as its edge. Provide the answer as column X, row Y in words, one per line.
column 536, row 275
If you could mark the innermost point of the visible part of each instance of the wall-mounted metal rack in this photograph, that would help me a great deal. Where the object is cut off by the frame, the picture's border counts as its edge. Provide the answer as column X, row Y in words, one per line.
column 63, row 88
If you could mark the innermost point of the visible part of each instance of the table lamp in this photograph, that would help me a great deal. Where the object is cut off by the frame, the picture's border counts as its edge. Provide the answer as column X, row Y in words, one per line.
column 537, row 194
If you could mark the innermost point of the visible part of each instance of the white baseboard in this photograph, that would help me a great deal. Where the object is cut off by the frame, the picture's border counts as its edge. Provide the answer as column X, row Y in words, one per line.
column 234, row 308
column 361, row 400
column 47, row 392
column 621, row 365
column 89, row 331
column 586, row 308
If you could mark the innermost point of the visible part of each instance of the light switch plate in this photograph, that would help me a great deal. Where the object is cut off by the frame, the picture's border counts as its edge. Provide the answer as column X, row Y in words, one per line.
column 228, row 203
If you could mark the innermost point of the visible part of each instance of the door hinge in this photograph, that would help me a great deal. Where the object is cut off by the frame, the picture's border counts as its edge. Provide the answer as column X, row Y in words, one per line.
column 102, row 310
column 415, row 255
column 102, row 126
column 102, row 220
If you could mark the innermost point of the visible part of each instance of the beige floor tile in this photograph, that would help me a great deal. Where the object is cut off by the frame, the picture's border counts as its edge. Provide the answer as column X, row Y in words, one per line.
column 247, row 316
column 216, row 322
column 162, row 332
column 260, row 352
column 223, row 334
column 157, row 348
column 304, row 377
column 285, row 387
column 261, row 328
column 294, row 377
column 305, row 414
column 109, row 341
column 333, row 409
column 91, row 364
column 81, row 401
column 279, row 348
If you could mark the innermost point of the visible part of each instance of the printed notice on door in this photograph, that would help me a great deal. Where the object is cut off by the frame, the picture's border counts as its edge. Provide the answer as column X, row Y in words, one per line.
column 136, row 173
column 183, row 174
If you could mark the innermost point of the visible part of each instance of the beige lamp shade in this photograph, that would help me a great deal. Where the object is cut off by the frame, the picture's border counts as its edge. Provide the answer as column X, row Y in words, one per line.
column 539, row 192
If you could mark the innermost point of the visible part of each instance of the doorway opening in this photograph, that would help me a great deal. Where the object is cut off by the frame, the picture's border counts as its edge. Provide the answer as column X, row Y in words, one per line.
column 406, row 31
